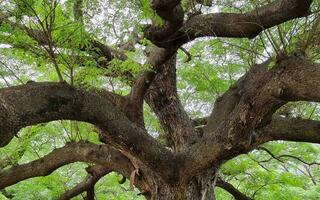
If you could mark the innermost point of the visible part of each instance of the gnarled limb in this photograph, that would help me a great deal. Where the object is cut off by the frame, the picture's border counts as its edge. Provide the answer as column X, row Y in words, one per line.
column 71, row 152
column 134, row 105
column 256, row 97
column 297, row 79
column 244, row 25
column 172, row 13
column 35, row 103
column 163, row 99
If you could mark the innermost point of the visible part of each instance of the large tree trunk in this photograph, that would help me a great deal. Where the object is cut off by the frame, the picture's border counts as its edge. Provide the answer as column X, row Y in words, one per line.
column 198, row 188
column 163, row 99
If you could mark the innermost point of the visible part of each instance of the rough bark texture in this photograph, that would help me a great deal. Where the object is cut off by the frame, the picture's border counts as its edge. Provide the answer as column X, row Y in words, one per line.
column 163, row 98
column 187, row 170
column 247, row 25
column 72, row 152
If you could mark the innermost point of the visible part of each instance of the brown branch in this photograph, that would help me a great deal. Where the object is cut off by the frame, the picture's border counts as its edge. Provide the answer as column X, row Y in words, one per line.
column 290, row 129
column 246, row 25
column 299, row 81
column 71, row 152
column 226, row 103
column 156, row 59
column 90, row 193
column 163, row 99
column 35, row 103
column 232, row 190
column 95, row 173
column 172, row 13
column 133, row 107
column 158, row 88
column 249, row 105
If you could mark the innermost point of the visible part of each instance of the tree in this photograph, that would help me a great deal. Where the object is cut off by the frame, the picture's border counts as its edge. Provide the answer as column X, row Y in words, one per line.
column 114, row 88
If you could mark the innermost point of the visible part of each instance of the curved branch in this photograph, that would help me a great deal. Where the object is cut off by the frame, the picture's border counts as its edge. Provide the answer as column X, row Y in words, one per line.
column 71, row 152
column 249, row 105
column 246, row 25
column 172, row 13
column 156, row 59
column 232, row 190
column 95, row 174
column 35, row 103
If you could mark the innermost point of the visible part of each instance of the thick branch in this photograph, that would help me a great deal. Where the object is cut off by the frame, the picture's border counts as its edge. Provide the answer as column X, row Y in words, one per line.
column 226, row 103
column 290, row 129
column 172, row 13
column 90, row 193
column 232, row 190
column 250, row 104
column 156, row 59
column 163, row 98
column 43, row 102
column 246, row 25
column 72, row 152
column 298, row 79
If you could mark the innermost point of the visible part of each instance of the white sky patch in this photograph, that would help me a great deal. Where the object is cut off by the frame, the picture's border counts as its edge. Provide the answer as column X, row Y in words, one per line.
column 5, row 46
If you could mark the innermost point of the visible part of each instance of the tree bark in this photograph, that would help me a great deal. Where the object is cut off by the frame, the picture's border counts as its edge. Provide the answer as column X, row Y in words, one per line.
column 163, row 99
column 198, row 188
